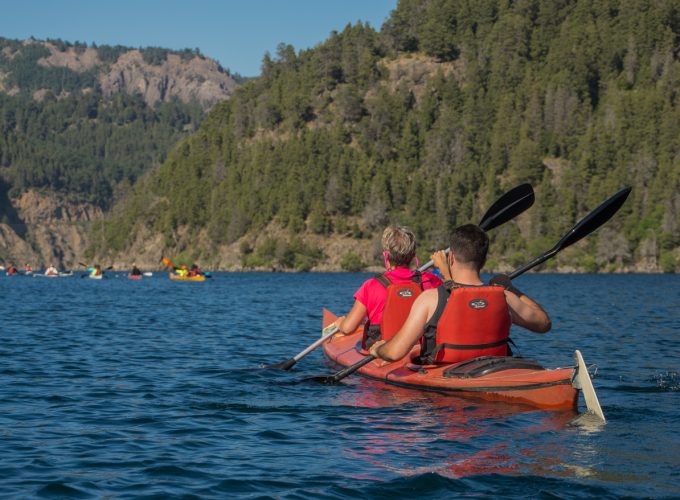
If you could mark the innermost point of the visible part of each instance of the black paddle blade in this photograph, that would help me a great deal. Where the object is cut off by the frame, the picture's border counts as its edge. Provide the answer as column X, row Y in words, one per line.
column 508, row 206
column 334, row 379
column 594, row 219
column 322, row 379
column 283, row 365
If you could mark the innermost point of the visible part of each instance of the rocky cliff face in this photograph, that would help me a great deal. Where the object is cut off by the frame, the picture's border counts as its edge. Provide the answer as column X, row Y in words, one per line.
column 50, row 229
column 198, row 78
column 47, row 228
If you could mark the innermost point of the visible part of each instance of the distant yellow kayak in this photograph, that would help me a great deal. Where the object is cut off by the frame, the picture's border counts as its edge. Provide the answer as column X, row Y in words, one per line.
column 175, row 277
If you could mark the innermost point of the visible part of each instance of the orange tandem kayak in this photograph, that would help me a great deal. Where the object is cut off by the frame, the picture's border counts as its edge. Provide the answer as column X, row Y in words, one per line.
column 508, row 379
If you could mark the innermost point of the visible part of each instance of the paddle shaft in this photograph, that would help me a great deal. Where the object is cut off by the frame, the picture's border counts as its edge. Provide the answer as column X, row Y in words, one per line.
column 288, row 364
column 313, row 346
column 583, row 228
column 349, row 370
column 537, row 261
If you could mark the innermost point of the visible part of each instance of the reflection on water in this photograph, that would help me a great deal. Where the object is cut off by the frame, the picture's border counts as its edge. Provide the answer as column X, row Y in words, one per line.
column 454, row 437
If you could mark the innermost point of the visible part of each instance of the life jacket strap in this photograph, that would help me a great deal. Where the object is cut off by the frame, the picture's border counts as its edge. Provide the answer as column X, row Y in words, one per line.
column 417, row 278
column 383, row 280
column 471, row 346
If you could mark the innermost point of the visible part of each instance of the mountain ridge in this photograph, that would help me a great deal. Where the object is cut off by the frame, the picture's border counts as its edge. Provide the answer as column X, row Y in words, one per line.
column 159, row 78
column 575, row 97
column 80, row 124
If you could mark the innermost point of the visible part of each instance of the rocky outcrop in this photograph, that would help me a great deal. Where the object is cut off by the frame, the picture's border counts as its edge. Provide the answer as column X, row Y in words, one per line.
column 14, row 249
column 42, row 228
column 40, row 208
column 200, row 79
column 197, row 79
column 50, row 229
column 77, row 60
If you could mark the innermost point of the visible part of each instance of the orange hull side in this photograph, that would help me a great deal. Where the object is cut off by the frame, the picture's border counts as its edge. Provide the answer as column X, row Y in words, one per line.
column 548, row 389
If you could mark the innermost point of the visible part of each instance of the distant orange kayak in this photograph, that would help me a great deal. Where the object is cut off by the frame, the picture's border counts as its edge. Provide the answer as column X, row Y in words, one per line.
column 509, row 379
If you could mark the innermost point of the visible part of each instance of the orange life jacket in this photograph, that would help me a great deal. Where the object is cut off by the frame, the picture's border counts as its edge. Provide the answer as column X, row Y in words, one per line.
column 470, row 321
column 398, row 303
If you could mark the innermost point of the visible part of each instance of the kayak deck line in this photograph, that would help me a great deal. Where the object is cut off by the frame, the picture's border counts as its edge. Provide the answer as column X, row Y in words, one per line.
column 514, row 380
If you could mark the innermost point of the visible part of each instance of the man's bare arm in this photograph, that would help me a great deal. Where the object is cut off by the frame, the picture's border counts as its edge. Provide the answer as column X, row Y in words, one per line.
column 527, row 313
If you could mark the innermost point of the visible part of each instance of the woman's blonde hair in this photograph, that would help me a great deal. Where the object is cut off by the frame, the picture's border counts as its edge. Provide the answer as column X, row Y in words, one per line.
column 400, row 244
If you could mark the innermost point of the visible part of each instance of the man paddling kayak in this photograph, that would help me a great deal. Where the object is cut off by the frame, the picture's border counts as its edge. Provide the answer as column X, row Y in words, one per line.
column 465, row 318
column 397, row 284
column 195, row 271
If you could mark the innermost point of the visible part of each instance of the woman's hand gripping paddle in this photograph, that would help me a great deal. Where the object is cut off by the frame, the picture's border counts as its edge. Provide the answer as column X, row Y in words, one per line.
column 511, row 204
column 583, row 228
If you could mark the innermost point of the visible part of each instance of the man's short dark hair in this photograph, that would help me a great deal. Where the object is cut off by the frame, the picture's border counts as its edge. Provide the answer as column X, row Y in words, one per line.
column 470, row 245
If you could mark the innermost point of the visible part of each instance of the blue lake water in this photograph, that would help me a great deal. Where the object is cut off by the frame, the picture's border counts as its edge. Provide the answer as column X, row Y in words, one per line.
column 118, row 388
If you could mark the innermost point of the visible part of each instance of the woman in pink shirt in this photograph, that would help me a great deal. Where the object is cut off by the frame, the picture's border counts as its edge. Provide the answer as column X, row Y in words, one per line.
column 399, row 250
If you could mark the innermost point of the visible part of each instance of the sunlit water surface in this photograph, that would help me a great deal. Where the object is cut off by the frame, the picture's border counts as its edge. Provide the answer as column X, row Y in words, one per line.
column 153, row 388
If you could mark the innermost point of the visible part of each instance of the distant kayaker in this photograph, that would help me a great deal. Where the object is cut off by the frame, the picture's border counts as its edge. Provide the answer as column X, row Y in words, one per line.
column 28, row 269
column 51, row 271
column 399, row 250
column 465, row 318
column 135, row 271
column 195, row 271
column 11, row 270
column 95, row 271
column 182, row 271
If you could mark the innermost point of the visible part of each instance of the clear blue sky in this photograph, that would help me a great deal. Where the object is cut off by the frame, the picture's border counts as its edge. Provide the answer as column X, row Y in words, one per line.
column 235, row 32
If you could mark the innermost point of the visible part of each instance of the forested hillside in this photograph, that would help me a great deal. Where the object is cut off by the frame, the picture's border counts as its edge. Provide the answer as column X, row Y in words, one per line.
column 424, row 123
column 80, row 124
column 67, row 128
